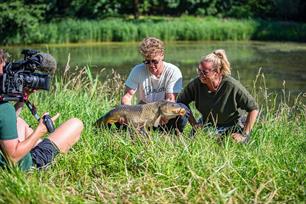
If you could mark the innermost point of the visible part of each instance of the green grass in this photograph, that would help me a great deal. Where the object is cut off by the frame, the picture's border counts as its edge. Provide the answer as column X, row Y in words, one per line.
column 107, row 167
column 168, row 29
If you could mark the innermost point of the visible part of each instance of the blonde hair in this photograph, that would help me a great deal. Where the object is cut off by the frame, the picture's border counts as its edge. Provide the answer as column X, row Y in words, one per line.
column 219, row 61
column 151, row 47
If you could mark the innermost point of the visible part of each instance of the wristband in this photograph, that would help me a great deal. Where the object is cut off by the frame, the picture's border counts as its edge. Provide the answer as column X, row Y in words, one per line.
column 246, row 137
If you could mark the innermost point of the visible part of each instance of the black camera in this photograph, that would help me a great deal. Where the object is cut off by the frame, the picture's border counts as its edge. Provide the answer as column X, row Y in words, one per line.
column 23, row 74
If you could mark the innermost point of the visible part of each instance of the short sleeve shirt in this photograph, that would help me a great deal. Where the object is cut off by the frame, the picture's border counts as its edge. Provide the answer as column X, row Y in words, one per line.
column 149, row 87
column 8, row 131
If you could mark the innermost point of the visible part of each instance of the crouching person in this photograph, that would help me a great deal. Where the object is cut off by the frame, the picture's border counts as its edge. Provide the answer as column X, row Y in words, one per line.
column 218, row 97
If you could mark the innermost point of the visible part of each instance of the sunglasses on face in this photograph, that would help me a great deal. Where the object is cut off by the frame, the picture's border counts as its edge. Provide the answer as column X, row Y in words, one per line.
column 155, row 62
column 203, row 72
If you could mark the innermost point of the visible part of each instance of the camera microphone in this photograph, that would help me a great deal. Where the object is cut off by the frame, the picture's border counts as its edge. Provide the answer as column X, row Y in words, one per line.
column 47, row 63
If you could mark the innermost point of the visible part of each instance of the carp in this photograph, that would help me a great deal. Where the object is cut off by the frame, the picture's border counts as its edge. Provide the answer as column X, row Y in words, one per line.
column 142, row 115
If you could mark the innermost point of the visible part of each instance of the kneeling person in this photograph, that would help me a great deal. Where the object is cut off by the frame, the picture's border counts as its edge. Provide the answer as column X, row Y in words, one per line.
column 154, row 79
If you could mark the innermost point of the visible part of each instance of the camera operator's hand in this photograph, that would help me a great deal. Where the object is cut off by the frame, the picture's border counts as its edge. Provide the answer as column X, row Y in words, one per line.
column 28, row 92
column 41, row 128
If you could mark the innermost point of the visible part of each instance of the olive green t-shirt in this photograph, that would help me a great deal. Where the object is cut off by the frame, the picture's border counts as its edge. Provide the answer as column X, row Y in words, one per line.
column 221, row 107
column 8, row 131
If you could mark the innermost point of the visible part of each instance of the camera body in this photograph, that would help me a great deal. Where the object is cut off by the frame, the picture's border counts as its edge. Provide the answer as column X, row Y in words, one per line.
column 22, row 74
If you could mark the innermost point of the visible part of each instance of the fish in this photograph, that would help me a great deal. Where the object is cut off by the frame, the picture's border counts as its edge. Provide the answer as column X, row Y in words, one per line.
column 142, row 115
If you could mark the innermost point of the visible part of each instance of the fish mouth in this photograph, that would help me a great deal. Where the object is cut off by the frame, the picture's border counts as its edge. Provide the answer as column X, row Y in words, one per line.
column 181, row 112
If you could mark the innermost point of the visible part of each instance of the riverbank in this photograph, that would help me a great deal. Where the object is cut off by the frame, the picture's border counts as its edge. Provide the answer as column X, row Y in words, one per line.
column 107, row 167
column 166, row 28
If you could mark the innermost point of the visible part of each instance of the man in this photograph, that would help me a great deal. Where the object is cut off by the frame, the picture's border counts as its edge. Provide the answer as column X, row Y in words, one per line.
column 22, row 146
column 154, row 79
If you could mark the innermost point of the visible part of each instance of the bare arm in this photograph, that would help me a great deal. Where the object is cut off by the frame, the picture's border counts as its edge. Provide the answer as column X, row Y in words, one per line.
column 16, row 150
column 127, row 97
column 251, row 118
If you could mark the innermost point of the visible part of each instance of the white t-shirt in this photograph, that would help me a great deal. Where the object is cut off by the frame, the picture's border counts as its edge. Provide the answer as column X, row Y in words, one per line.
column 149, row 87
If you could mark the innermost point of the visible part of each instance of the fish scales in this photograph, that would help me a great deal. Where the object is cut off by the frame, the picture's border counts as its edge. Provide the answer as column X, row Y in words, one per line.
column 142, row 115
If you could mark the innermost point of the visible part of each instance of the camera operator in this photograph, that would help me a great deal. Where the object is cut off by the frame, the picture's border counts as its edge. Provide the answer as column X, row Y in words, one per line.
column 20, row 145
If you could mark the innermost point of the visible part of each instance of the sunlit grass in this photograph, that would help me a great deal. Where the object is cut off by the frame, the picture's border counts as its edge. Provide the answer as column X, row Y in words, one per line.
column 106, row 166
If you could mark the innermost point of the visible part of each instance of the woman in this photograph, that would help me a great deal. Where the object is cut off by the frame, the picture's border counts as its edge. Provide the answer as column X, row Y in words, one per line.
column 25, row 147
column 218, row 97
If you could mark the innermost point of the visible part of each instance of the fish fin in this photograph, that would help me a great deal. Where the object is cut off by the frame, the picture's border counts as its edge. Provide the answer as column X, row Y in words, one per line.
column 156, row 123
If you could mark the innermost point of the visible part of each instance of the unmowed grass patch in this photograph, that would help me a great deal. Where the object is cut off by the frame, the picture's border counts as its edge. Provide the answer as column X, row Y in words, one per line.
column 107, row 166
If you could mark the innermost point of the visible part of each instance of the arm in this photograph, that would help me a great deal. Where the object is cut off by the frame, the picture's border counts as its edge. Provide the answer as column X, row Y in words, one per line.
column 127, row 97
column 251, row 118
column 16, row 150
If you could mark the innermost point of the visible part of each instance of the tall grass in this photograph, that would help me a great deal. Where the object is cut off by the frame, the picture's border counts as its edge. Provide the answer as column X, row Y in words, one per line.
column 169, row 29
column 105, row 166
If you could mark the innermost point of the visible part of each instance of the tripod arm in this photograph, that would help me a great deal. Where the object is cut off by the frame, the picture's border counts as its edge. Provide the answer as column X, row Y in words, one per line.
column 32, row 109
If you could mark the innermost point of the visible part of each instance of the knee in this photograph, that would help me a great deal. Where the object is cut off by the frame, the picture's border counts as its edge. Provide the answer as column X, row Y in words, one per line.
column 76, row 123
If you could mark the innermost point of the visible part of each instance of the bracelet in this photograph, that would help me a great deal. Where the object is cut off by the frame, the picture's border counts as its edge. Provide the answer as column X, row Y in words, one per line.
column 246, row 136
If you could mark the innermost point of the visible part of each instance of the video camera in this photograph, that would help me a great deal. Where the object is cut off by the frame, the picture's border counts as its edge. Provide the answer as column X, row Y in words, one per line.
column 24, row 74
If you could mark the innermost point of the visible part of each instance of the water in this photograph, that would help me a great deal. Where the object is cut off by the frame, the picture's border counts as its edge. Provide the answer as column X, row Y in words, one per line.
column 283, row 64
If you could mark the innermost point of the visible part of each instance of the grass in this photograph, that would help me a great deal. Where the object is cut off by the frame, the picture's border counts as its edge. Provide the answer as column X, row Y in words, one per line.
column 107, row 167
column 184, row 28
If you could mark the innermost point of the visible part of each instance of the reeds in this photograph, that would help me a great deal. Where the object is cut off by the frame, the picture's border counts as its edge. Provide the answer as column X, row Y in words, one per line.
column 168, row 29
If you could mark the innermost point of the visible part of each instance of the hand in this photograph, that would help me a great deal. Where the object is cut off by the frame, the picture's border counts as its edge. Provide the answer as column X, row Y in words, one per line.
column 27, row 92
column 239, row 138
column 186, row 108
column 122, row 121
column 41, row 128
column 163, row 120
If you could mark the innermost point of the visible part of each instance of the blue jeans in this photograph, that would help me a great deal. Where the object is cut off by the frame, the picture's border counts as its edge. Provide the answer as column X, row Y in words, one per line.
column 222, row 130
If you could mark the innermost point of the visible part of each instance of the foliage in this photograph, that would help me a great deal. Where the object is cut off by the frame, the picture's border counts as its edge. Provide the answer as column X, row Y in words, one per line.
column 23, row 21
column 106, row 166
column 19, row 20
column 97, row 9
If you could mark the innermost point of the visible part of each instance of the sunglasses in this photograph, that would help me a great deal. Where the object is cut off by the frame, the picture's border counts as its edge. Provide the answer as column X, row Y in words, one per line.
column 202, row 72
column 151, row 61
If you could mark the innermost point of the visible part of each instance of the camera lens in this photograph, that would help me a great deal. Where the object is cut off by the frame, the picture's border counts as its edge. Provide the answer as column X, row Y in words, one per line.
column 37, row 81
